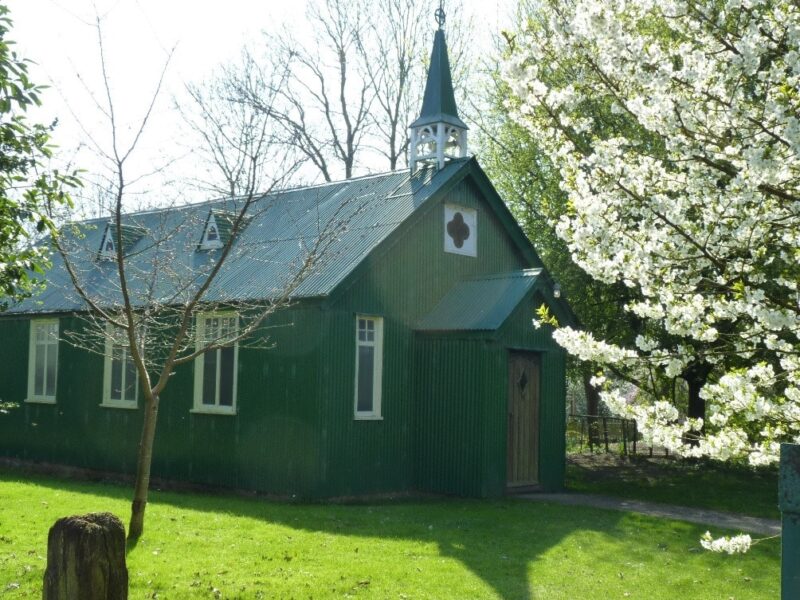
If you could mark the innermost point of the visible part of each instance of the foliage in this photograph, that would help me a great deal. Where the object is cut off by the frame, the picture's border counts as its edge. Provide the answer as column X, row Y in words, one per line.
column 233, row 547
column 530, row 184
column 691, row 201
column 27, row 186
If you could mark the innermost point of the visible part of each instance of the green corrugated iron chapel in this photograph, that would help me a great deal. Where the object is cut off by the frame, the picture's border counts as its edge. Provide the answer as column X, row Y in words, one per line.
column 407, row 361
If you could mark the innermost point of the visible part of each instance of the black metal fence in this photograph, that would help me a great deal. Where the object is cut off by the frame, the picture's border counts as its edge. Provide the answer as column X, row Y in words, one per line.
column 605, row 434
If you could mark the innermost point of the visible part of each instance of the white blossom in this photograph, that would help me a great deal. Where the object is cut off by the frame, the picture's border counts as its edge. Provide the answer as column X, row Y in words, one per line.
column 738, row 544
column 696, row 208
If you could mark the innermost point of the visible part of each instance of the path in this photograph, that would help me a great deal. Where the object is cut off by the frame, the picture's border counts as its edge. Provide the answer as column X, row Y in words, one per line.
column 715, row 518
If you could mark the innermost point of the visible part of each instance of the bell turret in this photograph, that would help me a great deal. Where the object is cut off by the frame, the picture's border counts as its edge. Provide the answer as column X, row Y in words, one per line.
column 438, row 135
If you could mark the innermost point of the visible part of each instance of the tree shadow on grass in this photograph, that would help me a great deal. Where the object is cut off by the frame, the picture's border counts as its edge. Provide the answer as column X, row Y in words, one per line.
column 494, row 540
column 511, row 545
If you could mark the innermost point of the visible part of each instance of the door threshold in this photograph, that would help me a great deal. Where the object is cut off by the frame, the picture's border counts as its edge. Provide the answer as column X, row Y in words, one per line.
column 523, row 489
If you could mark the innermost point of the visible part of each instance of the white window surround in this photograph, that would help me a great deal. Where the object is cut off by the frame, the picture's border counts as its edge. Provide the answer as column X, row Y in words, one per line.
column 107, row 247
column 211, row 236
column 43, row 353
column 112, row 345
column 460, row 230
column 210, row 327
column 369, row 334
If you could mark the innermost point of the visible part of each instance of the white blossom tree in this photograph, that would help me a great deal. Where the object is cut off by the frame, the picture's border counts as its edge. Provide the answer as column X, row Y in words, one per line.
column 688, row 193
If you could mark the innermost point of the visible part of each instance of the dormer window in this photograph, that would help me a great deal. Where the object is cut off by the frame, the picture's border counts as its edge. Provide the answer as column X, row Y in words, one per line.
column 218, row 228
column 107, row 249
column 130, row 235
column 211, row 236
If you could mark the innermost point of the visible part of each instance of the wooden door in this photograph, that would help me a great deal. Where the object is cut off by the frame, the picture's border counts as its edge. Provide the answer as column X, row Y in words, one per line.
column 523, row 419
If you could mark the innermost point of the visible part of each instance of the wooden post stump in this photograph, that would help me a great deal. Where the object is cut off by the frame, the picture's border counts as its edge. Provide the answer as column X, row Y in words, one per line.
column 789, row 502
column 86, row 559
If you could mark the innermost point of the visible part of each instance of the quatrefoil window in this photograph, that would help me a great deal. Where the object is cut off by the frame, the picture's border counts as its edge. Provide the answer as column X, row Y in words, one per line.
column 458, row 230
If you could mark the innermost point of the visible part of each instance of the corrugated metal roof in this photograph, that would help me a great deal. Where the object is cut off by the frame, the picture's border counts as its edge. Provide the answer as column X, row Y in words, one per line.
column 349, row 217
column 481, row 304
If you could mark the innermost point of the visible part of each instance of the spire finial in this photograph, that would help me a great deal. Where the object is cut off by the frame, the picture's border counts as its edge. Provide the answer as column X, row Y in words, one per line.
column 439, row 14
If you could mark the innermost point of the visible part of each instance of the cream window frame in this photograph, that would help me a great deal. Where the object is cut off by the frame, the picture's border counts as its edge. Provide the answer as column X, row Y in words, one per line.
column 111, row 333
column 377, row 374
column 199, row 367
column 33, row 345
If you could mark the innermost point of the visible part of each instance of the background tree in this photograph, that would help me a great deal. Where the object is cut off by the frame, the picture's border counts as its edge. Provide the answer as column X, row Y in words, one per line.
column 27, row 184
column 351, row 92
column 691, row 201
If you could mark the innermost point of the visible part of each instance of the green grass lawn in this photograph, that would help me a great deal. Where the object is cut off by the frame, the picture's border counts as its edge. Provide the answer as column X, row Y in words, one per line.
column 217, row 546
column 703, row 484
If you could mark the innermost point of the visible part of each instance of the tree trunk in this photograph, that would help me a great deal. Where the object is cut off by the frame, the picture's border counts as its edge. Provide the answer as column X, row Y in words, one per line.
column 592, row 395
column 143, row 464
column 697, row 406
column 592, row 408
column 696, row 376
column 86, row 559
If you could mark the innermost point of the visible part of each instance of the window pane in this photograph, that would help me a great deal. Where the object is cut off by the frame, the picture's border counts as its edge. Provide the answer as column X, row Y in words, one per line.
column 130, row 378
column 362, row 330
column 52, row 362
column 212, row 329
column 366, row 370
column 209, row 377
column 116, row 373
column 38, row 369
column 226, row 377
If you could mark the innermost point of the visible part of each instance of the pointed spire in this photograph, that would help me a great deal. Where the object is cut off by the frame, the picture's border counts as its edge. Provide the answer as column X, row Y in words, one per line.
column 438, row 135
column 439, row 102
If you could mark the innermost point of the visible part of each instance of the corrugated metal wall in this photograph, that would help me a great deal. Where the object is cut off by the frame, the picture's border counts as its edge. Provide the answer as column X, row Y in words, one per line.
column 272, row 444
column 295, row 433
column 456, row 428
column 462, row 403
column 401, row 283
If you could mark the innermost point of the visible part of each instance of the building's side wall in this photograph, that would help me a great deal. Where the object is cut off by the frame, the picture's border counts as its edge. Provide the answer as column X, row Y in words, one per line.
column 75, row 430
column 400, row 284
column 461, row 396
column 272, row 444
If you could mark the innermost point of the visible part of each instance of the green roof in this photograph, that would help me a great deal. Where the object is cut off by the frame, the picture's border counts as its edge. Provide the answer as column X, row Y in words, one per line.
column 480, row 304
column 439, row 102
column 281, row 226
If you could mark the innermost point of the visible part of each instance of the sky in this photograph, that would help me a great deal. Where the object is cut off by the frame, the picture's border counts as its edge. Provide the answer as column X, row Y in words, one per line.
column 61, row 38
